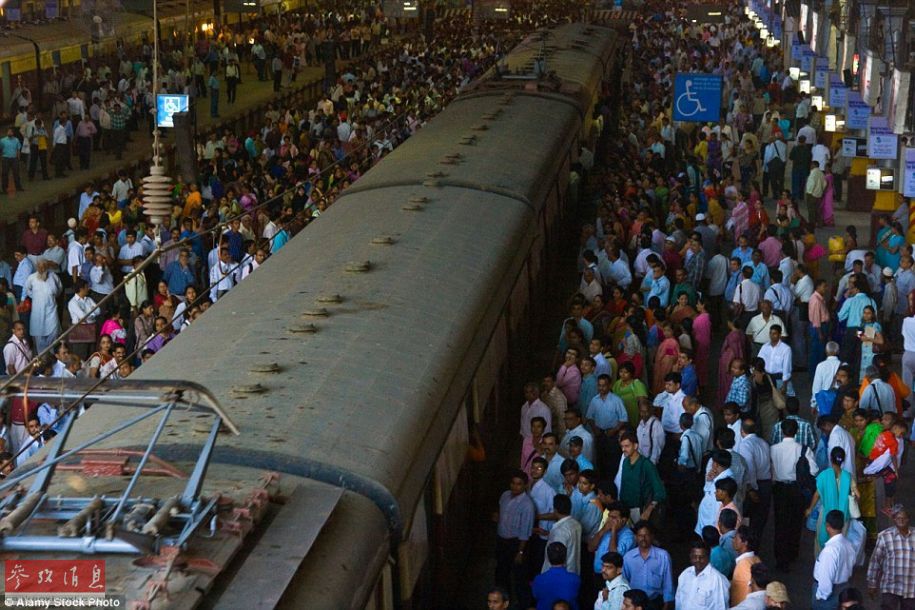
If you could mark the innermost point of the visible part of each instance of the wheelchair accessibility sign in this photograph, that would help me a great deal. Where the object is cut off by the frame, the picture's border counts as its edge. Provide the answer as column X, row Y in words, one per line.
column 697, row 97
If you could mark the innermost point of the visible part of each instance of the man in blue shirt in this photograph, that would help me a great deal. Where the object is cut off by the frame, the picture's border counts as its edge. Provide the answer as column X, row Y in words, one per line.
column 606, row 415
column 614, row 536
column 10, row 150
column 724, row 556
column 557, row 583
column 179, row 275
column 689, row 382
column 648, row 568
column 515, row 525
column 588, row 382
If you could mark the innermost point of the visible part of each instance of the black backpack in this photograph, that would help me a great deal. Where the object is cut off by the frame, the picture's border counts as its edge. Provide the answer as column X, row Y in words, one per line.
column 804, row 478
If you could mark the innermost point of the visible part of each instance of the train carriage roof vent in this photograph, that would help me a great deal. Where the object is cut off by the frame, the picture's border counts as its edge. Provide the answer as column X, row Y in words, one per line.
column 330, row 298
column 415, row 207
column 383, row 240
column 303, row 329
column 479, row 127
column 436, row 174
column 469, row 140
column 249, row 388
column 358, row 267
column 421, row 198
column 317, row 312
column 265, row 367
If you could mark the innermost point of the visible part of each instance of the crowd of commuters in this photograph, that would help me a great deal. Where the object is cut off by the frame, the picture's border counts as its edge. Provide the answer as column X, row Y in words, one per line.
column 96, row 106
column 252, row 194
column 641, row 440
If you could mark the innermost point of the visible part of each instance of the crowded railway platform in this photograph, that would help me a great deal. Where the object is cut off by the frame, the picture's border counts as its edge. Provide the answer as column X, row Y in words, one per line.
column 712, row 413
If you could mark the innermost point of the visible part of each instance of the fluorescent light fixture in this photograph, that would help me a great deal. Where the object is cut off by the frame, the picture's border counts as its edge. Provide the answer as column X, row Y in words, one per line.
column 500, row 9
column 763, row 33
column 714, row 14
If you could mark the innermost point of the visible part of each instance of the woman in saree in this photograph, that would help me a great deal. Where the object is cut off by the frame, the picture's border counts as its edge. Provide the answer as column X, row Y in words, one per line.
column 734, row 346
column 834, row 487
column 630, row 388
column 865, row 432
column 629, row 346
column 702, row 341
column 826, row 211
column 665, row 358
column 681, row 310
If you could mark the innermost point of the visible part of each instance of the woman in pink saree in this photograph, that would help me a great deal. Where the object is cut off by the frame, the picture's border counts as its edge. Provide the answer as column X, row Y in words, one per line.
column 734, row 347
column 665, row 358
column 826, row 211
column 702, row 341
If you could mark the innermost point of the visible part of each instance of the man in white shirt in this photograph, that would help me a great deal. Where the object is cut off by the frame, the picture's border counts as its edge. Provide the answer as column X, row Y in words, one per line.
column 542, row 495
column 703, row 424
column 820, row 153
column 17, row 353
column 701, row 585
column 76, row 254
column 825, row 373
column 747, row 294
column 670, row 401
column 839, row 437
column 834, row 564
column 760, row 326
column 615, row 584
column 788, row 496
column 777, row 356
column 81, row 307
column 575, row 427
column 650, row 432
column 755, row 452
column 222, row 276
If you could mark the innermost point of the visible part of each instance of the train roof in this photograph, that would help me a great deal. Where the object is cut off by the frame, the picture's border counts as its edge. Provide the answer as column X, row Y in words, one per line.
column 576, row 57
column 362, row 395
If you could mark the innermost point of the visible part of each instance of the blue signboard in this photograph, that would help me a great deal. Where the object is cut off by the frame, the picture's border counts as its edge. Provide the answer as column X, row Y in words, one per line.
column 858, row 114
column 797, row 51
column 697, row 97
column 807, row 58
column 167, row 105
column 838, row 95
column 821, row 77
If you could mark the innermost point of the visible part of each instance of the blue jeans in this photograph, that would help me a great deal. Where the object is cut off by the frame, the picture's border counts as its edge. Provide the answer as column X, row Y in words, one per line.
column 816, row 350
column 214, row 102
column 798, row 183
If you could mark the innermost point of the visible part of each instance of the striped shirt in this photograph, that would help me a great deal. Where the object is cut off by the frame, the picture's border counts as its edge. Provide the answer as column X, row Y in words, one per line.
column 892, row 566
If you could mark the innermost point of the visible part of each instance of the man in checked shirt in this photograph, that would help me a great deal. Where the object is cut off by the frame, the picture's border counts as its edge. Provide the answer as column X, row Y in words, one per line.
column 892, row 566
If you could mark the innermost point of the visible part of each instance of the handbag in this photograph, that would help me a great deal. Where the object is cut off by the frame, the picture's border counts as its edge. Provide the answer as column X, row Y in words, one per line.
column 83, row 333
column 25, row 306
column 854, row 511
column 778, row 397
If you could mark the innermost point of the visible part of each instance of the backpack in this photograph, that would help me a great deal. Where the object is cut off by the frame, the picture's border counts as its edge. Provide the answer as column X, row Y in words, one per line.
column 804, row 478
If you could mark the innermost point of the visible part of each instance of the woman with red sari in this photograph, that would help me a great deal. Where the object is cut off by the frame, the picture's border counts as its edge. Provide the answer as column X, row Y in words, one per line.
column 665, row 358
column 734, row 346
column 759, row 221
